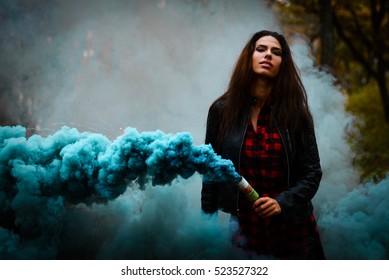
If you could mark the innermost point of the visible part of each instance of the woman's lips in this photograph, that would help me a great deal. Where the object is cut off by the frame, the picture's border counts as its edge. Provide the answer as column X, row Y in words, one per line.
column 266, row 64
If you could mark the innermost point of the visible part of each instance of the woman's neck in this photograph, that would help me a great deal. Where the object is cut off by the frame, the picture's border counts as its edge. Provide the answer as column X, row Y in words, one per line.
column 261, row 90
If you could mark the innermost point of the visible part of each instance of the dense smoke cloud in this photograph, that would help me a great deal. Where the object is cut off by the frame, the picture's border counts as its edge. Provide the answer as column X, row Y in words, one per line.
column 44, row 178
column 101, row 66
column 82, row 166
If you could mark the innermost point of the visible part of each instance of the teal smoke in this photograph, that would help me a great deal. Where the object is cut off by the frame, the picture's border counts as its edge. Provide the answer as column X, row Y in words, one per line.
column 43, row 178
column 87, row 167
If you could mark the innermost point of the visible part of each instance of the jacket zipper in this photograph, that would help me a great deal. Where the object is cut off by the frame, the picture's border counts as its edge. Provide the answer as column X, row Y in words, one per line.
column 240, row 153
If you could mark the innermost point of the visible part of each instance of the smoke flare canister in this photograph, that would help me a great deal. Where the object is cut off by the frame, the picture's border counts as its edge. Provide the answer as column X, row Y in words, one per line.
column 247, row 189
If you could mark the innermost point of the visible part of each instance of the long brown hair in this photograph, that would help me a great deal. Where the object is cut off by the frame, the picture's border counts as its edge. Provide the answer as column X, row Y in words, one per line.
column 289, row 98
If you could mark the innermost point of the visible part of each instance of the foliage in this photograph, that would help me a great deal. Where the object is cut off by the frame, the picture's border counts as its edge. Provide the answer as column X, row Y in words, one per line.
column 370, row 134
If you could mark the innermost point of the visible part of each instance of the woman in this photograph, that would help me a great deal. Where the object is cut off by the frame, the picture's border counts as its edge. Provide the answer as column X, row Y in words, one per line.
column 263, row 124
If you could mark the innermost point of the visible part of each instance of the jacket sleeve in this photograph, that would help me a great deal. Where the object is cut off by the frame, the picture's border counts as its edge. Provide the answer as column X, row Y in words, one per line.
column 209, row 191
column 305, row 176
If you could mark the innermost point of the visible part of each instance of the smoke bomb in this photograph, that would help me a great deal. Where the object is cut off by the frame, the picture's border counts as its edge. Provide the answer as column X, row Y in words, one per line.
column 248, row 190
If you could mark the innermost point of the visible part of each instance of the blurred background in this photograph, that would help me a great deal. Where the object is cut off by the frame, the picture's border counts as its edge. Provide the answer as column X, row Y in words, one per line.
column 101, row 66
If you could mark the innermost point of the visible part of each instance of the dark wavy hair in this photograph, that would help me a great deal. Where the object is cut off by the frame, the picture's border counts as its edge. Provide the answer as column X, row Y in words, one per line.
column 289, row 98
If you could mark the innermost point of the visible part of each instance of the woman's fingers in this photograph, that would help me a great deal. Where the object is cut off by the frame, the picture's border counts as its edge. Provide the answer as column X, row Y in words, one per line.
column 266, row 207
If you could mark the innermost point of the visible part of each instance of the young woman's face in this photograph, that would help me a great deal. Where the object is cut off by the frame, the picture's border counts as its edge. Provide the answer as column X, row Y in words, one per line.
column 267, row 57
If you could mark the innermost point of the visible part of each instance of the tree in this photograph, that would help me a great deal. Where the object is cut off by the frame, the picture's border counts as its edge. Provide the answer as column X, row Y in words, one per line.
column 363, row 26
column 327, row 51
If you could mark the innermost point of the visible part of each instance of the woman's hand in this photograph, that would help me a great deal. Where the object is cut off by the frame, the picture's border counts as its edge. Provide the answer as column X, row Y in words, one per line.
column 266, row 207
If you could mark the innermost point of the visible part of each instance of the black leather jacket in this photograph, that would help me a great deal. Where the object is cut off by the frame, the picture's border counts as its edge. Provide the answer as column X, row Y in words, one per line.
column 302, row 164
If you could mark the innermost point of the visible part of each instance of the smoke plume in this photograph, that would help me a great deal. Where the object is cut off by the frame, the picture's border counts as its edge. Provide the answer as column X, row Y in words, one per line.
column 82, row 166
column 41, row 178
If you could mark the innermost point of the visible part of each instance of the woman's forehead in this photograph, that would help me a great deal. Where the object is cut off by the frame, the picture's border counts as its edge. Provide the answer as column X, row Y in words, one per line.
column 269, row 41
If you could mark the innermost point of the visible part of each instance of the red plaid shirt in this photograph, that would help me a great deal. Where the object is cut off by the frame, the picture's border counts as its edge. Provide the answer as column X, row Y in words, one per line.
column 261, row 165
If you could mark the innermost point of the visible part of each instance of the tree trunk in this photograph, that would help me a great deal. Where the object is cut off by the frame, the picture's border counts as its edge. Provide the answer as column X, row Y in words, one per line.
column 378, row 72
column 381, row 80
column 327, row 52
